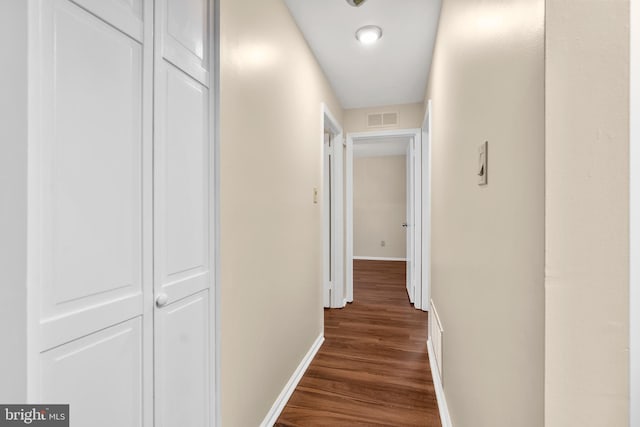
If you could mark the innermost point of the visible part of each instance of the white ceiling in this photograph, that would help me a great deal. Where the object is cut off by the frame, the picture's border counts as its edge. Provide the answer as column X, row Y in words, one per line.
column 392, row 71
column 381, row 146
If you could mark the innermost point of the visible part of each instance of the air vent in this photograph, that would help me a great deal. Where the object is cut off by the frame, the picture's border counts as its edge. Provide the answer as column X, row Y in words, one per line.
column 376, row 120
column 390, row 119
column 435, row 336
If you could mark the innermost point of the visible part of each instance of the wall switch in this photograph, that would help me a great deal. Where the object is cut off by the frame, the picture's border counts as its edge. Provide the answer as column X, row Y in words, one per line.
column 315, row 195
column 482, row 163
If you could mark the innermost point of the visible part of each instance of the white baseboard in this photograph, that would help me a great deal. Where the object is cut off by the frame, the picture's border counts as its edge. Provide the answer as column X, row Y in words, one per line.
column 291, row 385
column 375, row 258
column 445, row 418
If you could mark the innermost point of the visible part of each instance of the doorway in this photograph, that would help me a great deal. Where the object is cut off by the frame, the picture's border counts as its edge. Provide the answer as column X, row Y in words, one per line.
column 405, row 142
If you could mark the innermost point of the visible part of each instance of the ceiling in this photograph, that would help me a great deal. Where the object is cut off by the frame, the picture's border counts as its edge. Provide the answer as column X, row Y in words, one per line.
column 392, row 71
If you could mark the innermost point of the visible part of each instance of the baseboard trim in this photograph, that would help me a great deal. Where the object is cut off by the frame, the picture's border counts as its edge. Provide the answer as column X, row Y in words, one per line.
column 445, row 418
column 289, row 388
column 375, row 258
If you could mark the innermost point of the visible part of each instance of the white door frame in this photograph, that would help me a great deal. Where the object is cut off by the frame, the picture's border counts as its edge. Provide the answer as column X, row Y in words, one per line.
column 335, row 281
column 352, row 138
column 426, row 208
column 634, row 218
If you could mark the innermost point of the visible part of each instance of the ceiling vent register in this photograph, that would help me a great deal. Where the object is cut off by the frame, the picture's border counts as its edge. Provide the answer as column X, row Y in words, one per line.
column 376, row 120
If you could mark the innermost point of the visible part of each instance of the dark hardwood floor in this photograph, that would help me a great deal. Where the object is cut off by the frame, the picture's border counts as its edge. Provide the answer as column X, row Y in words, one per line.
column 373, row 367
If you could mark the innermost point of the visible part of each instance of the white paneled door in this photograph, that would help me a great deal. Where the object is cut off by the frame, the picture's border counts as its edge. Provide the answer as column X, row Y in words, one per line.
column 183, row 244
column 120, row 211
column 91, row 330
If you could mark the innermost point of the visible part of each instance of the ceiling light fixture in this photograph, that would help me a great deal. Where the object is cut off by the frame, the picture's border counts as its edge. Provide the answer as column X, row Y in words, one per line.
column 355, row 3
column 369, row 34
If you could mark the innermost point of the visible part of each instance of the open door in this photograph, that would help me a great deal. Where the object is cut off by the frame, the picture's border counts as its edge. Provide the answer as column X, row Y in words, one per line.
column 327, row 220
column 332, row 212
column 413, row 224
column 409, row 222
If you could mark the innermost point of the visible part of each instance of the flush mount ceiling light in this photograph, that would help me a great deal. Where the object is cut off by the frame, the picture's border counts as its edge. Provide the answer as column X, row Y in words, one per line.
column 369, row 34
column 355, row 3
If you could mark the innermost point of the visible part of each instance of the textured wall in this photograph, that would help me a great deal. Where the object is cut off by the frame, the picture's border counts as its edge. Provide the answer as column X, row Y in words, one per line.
column 587, row 205
column 487, row 84
column 379, row 206
column 271, row 231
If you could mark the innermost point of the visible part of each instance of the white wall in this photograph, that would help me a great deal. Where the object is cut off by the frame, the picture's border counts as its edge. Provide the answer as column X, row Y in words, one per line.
column 271, row 231
column 587, row 213
column 379, row 206
column 487, row 243
column 13, row 200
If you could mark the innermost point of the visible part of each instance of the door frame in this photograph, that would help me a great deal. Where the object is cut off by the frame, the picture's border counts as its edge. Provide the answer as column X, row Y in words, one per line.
column 354, row 138
column 426, row 207
column 634, row 212
column 414, row 222
column 214, row 238
column 336, row 215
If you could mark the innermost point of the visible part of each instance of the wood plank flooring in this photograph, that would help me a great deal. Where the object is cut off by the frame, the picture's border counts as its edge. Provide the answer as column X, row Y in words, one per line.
column 373, row 367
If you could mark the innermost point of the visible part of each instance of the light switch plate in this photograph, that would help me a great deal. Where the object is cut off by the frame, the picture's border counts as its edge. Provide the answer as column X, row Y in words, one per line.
column 482, row 163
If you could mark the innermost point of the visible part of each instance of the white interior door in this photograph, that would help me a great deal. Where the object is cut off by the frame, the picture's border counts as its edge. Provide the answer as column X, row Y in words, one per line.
column 332, row 211
column 327, row 222
column 183, row 211
column 120, row 280
column 89, row 199
column 409, row 223
column 417, row 222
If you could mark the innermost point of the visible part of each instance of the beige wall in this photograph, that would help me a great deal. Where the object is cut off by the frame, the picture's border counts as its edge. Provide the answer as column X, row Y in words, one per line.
column 379, row 206
column 587, row 184
column 271, row 241
column 487, row 83
column 410, row 116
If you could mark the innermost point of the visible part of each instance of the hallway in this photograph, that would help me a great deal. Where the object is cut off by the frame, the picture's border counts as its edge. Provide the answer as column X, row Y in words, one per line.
column 373, row 366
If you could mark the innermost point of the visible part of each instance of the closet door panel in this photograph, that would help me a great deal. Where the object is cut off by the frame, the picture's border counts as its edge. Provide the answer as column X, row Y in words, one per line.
column 126, row 15
column 99, row 376
column 182, row 185
column 184, row 36
column 91, row 182
column 182, row 222
column 183, row 368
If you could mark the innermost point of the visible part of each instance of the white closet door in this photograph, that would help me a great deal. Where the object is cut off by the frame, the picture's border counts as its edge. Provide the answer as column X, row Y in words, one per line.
column 87, row 192
column 183, row 231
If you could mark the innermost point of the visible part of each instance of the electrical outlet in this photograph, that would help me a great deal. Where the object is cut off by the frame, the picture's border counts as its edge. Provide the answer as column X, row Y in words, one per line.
column 315, row 195
column 383, row 243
